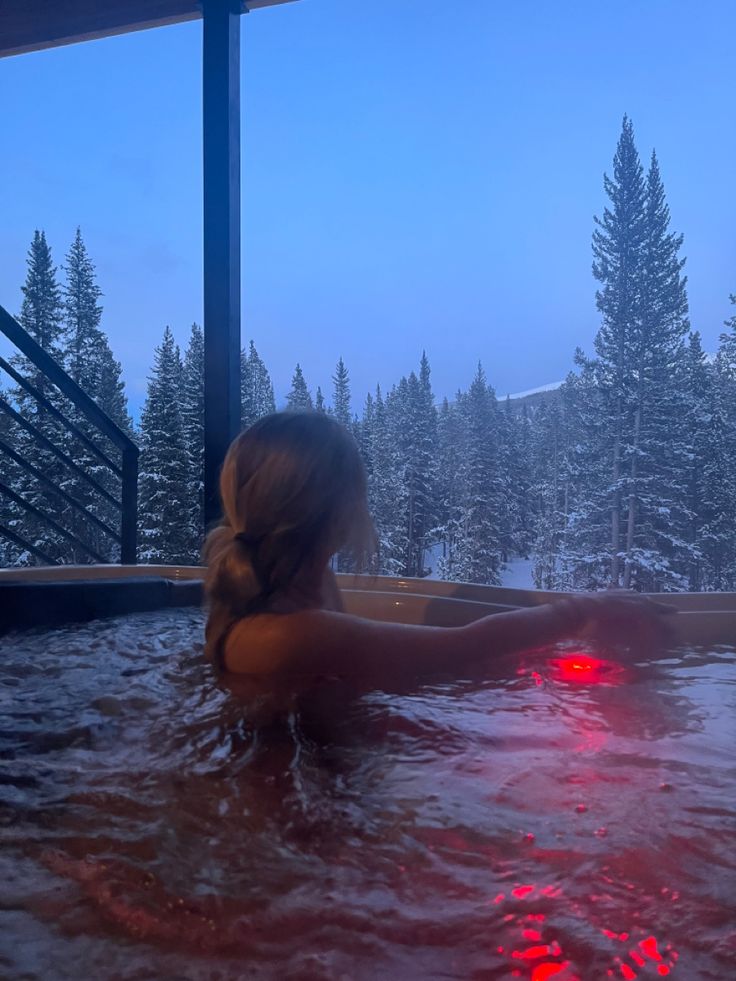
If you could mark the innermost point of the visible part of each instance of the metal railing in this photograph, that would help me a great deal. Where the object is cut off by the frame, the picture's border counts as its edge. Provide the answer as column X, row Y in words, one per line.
column 104, row 522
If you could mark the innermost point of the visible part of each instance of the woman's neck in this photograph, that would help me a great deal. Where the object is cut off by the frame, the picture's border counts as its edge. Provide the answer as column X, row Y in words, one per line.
column 312, row 589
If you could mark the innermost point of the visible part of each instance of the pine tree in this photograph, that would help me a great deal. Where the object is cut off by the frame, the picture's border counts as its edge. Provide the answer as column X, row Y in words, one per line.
column 657, row 521
column 387, row 487
column 549, row 475
column 10, row 553
column 366, row 432
column 82, row 317
column 719, row 482
column 478, row 550
column 341, row 395
column 412, row 426
column 319, row 402
column 511, row 474
column 452, row 455
column 87, row 356
column 89, row 361
column 41, row 312
column 520, row 482
column 702, row 443
column 632, row 419
column 41, row 317
column 618, row 245
column 299, row 399
column 344, row 562
column 164, row 503
column 558, row 485
column 192, row 421
column 256, row 389
column 423, row 467
column 583, row 473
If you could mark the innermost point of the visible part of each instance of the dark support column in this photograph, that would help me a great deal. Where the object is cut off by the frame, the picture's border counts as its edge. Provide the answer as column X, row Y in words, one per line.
column 221, row 108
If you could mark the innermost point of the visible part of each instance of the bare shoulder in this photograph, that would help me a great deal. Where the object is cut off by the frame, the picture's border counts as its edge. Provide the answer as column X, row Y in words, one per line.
column 309, row 641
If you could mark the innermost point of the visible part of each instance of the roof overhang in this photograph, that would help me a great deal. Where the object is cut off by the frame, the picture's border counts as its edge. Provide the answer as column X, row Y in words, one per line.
column 31, row 25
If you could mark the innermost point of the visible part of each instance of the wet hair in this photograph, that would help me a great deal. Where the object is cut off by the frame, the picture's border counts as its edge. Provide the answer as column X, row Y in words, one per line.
column 293, row 492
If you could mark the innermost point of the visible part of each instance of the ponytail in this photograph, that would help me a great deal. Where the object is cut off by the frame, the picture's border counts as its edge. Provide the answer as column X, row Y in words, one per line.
column 293, row 489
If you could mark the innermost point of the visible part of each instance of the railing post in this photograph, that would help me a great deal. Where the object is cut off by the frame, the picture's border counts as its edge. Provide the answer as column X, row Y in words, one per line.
column 221, row 150
column 129, row 520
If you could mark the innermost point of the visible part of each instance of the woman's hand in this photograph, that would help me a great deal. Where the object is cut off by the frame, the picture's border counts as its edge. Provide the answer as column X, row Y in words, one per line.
column 618, row 616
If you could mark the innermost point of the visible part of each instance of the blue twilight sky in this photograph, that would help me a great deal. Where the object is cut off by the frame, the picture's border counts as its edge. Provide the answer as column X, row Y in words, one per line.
column 417, row 174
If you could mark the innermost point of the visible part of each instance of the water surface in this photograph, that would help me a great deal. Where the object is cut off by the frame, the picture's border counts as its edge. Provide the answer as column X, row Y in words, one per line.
column 557, row 817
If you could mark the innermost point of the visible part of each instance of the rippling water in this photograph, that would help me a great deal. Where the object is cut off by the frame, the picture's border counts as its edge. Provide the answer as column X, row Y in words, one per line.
column 562, row 818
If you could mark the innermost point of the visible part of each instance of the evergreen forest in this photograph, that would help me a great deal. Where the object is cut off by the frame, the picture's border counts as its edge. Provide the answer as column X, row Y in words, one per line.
column 625, row 475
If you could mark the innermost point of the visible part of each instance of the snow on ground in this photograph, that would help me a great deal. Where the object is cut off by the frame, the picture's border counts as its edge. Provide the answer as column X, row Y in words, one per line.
column 516, row 575
column 431, row 558
column 552, row 387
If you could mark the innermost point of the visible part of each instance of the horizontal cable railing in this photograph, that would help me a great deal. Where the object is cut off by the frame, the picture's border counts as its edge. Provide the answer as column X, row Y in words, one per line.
column 68, row 473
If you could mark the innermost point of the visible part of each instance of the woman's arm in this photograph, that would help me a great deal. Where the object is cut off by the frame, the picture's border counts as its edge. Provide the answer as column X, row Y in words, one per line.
column 321, row 641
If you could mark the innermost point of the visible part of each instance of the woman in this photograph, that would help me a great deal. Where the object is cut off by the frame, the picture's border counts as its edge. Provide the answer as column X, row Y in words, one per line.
column 294, row 493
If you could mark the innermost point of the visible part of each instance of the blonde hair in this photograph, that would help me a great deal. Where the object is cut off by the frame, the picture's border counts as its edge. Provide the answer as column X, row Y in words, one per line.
column 293, row 492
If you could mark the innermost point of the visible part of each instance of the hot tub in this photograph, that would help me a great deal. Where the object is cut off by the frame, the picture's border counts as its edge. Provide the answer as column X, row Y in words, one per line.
column 558, row 815
column 51, row 596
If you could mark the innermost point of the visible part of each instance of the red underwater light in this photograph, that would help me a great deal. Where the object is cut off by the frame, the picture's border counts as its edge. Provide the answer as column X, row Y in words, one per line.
column 580, row 668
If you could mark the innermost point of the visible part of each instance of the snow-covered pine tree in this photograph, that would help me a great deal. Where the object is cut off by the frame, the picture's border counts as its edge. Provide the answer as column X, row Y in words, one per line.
column 703, row 445
column 387, row 487
column 341, row 413
column 512, row 475
column 424, row 469
column 365, row 435
column 618, row 247
column 549, row 476
column 718, row 536
column 634, row 416
column 87, row 355
column 10, row 553
column 256, row 389
column 319, row 402
column 341, row 395
column 41, row 315
column 164, row 501
column 451, row 478
column 478, row 550
column 520, row 475
column 89, row 360
column 82, row 317
column 247, row 413
column 583, row 561
column 412, row 424
column 559, row 485
column 656, row 552
column 192, row 421
column 299, row 399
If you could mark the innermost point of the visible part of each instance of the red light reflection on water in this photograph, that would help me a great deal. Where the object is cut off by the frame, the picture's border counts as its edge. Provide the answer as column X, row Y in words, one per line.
column 578, row 668
column 549, row 956
column 584, row 669
column 649, row 952
column 649, row 946
column 547, row 970
column 521, row 891
column 540, row 950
